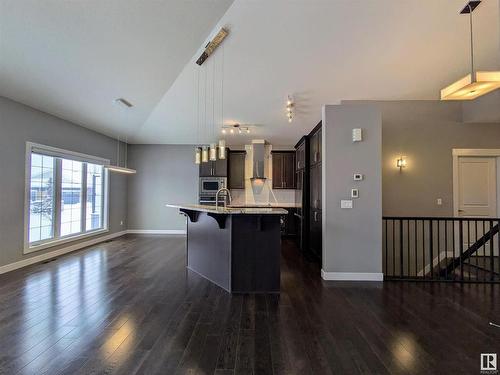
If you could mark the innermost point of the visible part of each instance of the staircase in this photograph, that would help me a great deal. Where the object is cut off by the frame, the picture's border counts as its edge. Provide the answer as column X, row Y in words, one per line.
column 441, row 249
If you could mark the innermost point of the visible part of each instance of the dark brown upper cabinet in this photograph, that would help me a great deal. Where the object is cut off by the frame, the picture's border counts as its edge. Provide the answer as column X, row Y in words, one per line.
column 214, row 168
column 315, row 146
column 283, row 169
column 236, row 176
column 300, row 156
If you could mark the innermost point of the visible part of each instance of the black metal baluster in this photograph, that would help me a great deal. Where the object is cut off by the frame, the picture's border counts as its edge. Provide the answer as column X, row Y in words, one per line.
column 401, row 249
column 386, row 247
column 477, row 253
column 498, row 244
column 491, row 251
column 431, row 249
column 446, row 249
column 416, row 248
column 423, row 247
column 461, row 244
column 393, row 248
column 468, row 246
column 483, row 257
column 453, row 245
column 439, row 248
column 408, row 247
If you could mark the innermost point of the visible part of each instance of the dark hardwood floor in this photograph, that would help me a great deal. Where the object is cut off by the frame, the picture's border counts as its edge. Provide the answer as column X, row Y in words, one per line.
column 130, row 307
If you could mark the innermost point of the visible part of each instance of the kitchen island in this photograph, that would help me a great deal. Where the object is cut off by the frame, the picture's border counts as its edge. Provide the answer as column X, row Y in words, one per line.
column 236, row 248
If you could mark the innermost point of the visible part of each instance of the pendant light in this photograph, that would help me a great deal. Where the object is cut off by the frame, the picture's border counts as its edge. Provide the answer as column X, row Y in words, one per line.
column 474, row 84
column 116, row 168
column 213, row 152
column 204, row 154
column 197, row 155
column 222, row 149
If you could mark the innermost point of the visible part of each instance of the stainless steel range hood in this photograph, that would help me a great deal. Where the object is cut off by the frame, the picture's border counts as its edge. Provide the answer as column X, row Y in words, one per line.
column 258, row 159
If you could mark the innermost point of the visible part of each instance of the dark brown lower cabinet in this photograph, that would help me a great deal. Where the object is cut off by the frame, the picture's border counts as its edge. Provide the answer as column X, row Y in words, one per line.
column 315, row 193
column 315, row 229
column 289, row 223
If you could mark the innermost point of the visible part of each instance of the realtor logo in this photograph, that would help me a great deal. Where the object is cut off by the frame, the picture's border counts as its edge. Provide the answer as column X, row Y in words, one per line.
column 489, row 363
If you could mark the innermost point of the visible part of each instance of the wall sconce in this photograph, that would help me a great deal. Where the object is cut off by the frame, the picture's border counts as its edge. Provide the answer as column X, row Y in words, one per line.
column 401, row 162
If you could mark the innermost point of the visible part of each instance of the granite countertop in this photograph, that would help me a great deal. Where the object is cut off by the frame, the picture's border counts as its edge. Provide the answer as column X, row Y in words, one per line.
column 273, row 204
column 232, row 210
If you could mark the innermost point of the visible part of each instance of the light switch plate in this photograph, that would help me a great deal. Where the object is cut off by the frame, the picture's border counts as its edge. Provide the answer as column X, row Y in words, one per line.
column 346, row 203
column 358, row 177
column 354, row 193
column 357, row 135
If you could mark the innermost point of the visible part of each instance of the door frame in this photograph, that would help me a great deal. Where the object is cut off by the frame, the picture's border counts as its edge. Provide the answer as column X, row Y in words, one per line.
column 458, row 152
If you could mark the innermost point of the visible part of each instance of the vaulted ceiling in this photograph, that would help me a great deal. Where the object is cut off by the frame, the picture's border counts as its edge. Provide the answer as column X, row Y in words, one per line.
column 72, row 59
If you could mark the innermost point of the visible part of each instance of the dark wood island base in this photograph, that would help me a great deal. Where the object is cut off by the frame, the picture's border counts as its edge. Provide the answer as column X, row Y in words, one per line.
column 238, row 250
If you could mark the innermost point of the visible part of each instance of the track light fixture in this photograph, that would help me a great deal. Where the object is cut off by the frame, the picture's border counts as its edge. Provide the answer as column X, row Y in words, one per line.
column 289, row 108
column 235, row 127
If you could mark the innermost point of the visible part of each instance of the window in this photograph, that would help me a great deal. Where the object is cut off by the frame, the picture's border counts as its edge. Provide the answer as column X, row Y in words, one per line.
column 71, row 197
column 42, row 200
column 66, row 196
column 94, row 197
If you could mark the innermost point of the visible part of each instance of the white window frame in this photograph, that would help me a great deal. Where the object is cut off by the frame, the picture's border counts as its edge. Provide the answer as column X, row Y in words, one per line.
column 77, row 156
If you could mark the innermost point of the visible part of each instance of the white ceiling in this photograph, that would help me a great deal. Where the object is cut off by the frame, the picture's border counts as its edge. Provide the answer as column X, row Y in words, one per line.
column 75, row 57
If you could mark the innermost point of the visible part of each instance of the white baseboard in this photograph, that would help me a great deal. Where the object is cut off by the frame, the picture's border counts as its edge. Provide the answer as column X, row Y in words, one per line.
column 156, row 231
column 58, row 252
column 352, row 276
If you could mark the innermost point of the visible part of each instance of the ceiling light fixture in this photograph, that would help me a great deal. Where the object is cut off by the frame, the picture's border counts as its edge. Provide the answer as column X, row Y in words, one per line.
column 222, row 149
column 474, row 84
column 212, row 45
column 235, row 127
column 204, row 153
column 117, row 168
column 289, row 108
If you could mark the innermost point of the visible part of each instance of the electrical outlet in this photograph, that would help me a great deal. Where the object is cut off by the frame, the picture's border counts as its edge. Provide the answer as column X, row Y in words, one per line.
column 121, row 222
column 357, row 177
column 439, row 201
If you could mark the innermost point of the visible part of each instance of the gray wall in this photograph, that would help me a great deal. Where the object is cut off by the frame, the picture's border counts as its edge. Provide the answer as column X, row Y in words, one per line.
column 425, row 132
column 165, row 174
column 483, row 109
column 352, row 238
column 20, row 124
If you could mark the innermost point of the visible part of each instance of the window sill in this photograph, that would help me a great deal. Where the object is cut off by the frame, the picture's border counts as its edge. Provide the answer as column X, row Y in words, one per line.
column 47, row 245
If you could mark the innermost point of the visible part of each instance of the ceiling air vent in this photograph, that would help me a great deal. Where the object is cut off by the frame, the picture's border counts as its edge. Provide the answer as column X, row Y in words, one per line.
column 123, row 102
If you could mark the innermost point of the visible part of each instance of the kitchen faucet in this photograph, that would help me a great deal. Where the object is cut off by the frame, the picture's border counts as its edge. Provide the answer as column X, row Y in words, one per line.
column 217, row 197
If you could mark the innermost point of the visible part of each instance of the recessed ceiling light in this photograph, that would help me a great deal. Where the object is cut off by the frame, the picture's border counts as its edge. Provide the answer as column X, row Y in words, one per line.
column 123, row 102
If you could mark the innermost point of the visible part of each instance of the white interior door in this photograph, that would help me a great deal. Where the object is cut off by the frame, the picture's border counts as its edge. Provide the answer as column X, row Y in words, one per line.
column 477, row 197
column 477, row 187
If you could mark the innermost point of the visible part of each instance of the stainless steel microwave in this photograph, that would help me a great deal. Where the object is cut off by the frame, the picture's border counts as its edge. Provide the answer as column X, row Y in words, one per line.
column 210, row 185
